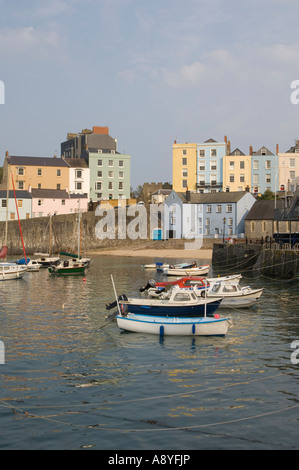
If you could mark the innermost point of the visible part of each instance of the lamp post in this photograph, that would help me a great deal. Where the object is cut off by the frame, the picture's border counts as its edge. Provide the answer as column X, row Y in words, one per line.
column 224, row 220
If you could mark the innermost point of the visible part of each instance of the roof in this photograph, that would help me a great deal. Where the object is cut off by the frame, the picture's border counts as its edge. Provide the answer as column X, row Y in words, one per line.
column 50, row 193
column 36, row 161
column 213, row 198
column 237, row 152
column 19, row 194
column 259, row 152
column 55, row 194
column 76, row 162
column 263, row 209
column 162, row 191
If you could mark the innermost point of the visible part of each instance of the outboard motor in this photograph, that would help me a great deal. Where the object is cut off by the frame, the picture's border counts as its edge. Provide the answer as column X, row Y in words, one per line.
column 151, row 283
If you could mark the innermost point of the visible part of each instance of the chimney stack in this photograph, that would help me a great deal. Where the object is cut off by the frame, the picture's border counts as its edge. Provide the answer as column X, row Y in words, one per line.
column 277, row 149
column 250, row 150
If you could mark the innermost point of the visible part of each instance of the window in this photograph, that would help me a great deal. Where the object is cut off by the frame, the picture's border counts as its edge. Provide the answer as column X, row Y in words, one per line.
column 20, row 202
column 98, row 185
column 110, row 174
column 78, row 173
column 100, row 174
column 213, row 152
column 208, row 222
column 242, row 165
column 185, row 173
column 121, row 163
column 39, row 186
column 255, row 164
column 209, row 208
column 58, row 186
column 78, row 185
column 40, row 202
column 39, row 172
column 264, row 226
column 4, row 203
column 110, row 185
column 21, row 184
column 202, row 153
column 231, row 165
column 100, row 162
column 231, row 178
column 268, row 179
column 12, row 216
column 255, row 178
column 292, row 162
column 184, row 161
column 110, row 163
column 263, row 151
column 120, row 185
column 292, row 175
column 252, row 226
column 219, row 208
column 229, row 208
column 184, row 183
column 242, row 178
column 120, row 174
column 20, row 171
column 58, row 172
column 63, row 202
column 213, row 165
column 230, row 221
column 202, row 166
column 268, row 164
column 184, row 152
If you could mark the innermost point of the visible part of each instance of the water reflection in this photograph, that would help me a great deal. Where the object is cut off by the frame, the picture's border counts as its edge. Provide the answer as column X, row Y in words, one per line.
column 58, row 355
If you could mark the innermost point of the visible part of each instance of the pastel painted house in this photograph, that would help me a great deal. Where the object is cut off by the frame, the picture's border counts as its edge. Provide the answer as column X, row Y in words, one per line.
column 210, row 215
column 24, row 200
column 47, row 202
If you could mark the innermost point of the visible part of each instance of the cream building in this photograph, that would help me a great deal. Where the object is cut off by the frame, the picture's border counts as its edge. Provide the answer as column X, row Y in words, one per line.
column 288, row 169
column 236, row 171
column 184, row 161
column 35, row 173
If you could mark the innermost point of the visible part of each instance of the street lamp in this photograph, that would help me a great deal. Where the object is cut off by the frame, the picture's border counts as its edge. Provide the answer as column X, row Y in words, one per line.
column 224, row 220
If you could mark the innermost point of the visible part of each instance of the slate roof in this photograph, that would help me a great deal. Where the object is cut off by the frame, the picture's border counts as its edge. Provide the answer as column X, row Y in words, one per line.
column 237, row 152
column 259, row 152
column 36, row 161
column 213, row 198
column 20, row 194
column 263, row 209
column 55, row 194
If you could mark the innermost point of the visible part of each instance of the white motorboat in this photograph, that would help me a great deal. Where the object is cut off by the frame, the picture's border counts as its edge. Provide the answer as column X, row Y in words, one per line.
column 46, row 260
column 233, row 295
column 231, row 279
column 31, row 264
column 169, row 326
column 11, row 271
column 195, row 271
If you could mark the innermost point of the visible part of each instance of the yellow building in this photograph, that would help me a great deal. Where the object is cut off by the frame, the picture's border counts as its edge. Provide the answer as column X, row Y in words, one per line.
column 236, row 171
column 35, row 173
column 184, row 158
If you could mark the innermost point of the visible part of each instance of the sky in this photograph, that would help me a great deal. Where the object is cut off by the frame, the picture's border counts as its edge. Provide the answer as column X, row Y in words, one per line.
column 153, row 71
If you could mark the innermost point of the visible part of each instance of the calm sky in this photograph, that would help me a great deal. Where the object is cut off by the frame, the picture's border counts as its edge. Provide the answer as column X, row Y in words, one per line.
column 153, row 71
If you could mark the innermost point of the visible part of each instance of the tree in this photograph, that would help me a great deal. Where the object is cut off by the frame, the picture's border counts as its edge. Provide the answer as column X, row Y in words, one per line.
column 268, row 194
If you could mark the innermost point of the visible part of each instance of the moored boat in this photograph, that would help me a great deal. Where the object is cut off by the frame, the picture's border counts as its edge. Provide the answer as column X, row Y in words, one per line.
column 11, row 271
column 233, row 295
column 174, row 326
column 174, row 303
column 193, row 271
column 67, row 267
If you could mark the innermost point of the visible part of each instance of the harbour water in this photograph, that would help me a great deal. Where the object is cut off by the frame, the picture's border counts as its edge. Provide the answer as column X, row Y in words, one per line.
column 69, row 384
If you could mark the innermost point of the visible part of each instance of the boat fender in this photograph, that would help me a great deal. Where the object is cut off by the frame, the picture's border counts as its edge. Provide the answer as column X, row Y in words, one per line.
column 193, row 329
column 123, row 307
column 161, row 330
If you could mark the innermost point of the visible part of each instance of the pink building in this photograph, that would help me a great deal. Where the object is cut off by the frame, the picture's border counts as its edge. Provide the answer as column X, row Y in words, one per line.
column 47, row 202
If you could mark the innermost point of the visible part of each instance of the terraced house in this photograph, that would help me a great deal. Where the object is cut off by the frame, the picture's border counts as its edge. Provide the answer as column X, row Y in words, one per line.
column 198, row 167
column 35, row 172
column 109, row 170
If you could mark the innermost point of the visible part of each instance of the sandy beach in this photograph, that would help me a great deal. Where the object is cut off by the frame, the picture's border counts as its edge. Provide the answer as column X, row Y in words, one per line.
column 202, row 254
